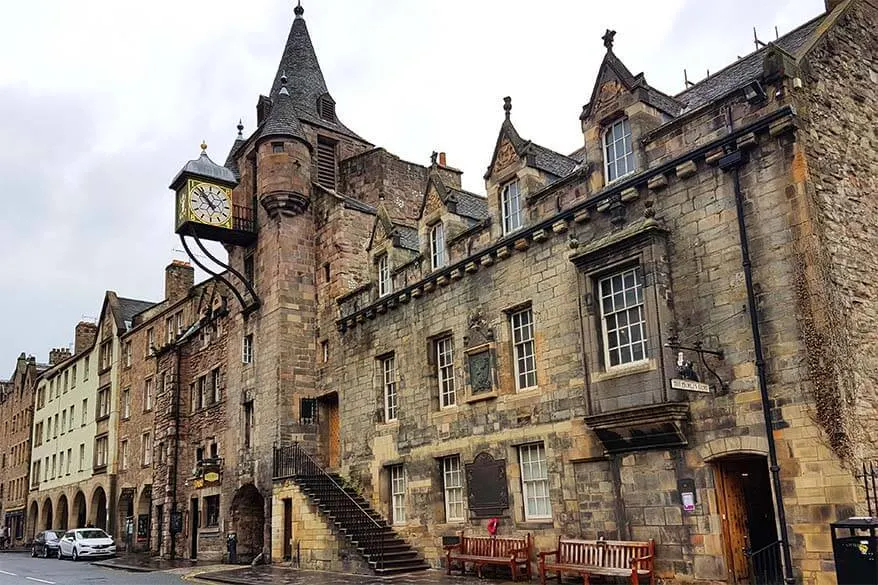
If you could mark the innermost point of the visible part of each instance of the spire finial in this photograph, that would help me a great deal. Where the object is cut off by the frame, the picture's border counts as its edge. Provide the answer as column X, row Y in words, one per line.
column 507, row 106
column 240, row 128
column 203, row 147
column 608, row 39
column 298, row 10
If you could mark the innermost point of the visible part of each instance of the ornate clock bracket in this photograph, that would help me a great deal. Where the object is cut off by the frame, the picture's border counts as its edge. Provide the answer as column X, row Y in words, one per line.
column 246, row 307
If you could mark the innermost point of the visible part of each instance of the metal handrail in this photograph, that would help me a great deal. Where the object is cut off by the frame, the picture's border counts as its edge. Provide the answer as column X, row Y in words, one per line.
column 298, row 456
column 765, row 564
column 753, row 553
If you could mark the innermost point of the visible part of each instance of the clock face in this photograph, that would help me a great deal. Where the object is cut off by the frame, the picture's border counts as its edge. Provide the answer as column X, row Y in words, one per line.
column 210, row 204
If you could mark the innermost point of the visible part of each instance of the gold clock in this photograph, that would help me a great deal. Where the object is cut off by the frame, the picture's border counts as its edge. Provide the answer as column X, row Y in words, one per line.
column 208, row 203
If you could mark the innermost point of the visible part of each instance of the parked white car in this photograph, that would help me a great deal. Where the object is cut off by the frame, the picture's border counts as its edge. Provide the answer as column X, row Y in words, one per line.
column 86, row 542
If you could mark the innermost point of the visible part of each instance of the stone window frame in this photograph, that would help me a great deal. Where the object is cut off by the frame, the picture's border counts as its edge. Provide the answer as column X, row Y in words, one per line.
column 126, row 349
column 637, row 270
column 520, row 449
column 505, row 226
column 126, row 403
column 123, row 454
column 398, row 489
column 383, row 360
column 438, row 246
column 384, row 274
column 146, row 449
column 207, row 505
column 102, row 408
column 247, row 349
column 511, row 312
column 101, row 440
column 441, row 377
column 148, row 393
column 643, row 249
column 629, row 157
column 449, row 519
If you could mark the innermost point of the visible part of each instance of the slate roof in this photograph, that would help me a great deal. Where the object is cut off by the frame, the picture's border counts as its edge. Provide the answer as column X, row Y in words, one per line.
column 408, row 237
column 232, row 158
column 203, row 166
column 129, row 308
column 469, row 204
column 550, row 161
column 744, row 70
column 306, row 82
column 282, row 119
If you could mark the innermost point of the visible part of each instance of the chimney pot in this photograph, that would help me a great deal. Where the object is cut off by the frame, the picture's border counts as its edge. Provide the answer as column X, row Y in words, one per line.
column 442, row 159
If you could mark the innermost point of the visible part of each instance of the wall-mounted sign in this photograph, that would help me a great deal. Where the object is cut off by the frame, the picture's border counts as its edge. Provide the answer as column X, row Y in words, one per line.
column 488, row 490
column 690, row 386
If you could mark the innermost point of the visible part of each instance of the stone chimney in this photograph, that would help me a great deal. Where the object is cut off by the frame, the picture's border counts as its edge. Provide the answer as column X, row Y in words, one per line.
column 84, row 336
column 58, row 355
column 450, row 175
column 179, row 278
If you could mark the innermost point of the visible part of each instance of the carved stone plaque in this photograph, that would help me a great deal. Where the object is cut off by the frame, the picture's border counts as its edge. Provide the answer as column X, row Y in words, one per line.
column 487, row 488
column 480, row 372
column 505, row 155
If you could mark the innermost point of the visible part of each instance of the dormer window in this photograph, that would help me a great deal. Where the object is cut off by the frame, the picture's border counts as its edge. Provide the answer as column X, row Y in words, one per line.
column 438, row 257
column 618, row 151
column 510, row 205
column 385, row 284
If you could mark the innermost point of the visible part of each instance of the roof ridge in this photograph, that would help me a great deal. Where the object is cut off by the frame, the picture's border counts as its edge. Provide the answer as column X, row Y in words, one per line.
column 748, row 55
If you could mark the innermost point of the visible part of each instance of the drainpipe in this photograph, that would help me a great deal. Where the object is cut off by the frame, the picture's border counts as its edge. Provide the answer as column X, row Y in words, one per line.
column 176, row 456
column 732, row 162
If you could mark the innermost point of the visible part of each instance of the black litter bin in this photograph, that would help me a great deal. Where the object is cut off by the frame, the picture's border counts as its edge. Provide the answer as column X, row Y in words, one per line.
column 854, row 546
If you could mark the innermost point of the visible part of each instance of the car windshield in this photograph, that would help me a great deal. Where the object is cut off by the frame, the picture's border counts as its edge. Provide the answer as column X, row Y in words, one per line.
column 93, row 534
column 54, row 535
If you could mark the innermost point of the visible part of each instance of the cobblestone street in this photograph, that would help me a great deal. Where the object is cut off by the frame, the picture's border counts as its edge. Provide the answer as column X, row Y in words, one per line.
column 285, row 576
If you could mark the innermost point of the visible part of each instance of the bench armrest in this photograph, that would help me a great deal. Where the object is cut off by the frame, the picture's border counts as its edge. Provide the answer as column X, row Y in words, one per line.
column 514, row 552
column 548, row 553
column 635, row 562
column 451, row 547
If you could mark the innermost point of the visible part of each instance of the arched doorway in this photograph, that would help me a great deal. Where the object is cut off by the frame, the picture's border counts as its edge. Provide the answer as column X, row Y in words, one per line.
column 48, row 517
column 32, row 519
column 749, row 528
column 98, row 508
column 248, row 521
column 142, row 519
column 79, row 510
column 63, row 512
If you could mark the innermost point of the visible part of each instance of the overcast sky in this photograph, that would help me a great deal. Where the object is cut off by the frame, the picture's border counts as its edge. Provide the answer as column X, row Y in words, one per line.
column 102, row 101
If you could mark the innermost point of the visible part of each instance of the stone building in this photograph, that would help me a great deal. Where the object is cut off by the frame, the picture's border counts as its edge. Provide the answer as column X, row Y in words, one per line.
column 75, row 424
column 594, row 347
column 140, row 387
column 16, row 412
column 192, row 481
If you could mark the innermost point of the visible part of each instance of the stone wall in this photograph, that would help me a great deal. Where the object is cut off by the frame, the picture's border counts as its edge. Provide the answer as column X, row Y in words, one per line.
column 315, row 542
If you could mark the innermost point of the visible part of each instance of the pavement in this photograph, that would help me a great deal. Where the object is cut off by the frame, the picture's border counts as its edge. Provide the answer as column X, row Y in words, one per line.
column 274, row 575
column 144, row 563
column 20, row 569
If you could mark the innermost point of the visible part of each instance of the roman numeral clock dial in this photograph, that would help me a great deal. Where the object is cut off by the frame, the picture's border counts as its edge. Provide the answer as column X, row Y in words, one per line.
column 210, row 204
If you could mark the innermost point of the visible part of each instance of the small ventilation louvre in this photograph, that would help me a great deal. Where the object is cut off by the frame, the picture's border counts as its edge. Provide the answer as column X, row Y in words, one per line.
column 326, row 163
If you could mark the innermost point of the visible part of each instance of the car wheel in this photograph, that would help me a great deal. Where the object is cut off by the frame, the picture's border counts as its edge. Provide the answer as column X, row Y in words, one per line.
column 33, row 551
column 75, row 555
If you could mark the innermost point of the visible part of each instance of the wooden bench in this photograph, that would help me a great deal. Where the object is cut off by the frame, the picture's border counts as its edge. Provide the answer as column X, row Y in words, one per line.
column 614, row 558
column 489, row 550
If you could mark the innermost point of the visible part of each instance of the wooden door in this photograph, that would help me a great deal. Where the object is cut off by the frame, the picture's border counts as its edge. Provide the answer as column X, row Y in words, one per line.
column 733, row 510
column 334, row 433
column 288, row 529
column 196, row 523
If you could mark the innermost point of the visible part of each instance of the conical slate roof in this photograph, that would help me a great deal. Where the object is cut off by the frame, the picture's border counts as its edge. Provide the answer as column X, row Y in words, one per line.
column 282, row 119
column 305, row 83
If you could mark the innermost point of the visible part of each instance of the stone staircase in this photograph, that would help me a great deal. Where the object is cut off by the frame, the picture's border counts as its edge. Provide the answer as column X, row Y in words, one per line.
column 381, row 547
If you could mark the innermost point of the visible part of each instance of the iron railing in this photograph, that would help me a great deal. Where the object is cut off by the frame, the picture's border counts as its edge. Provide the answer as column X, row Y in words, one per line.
column 243, row 218
column 293, row 462
column 766, row 566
